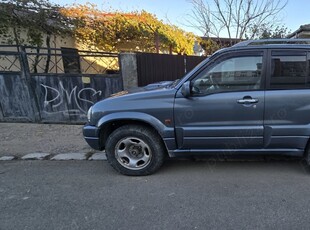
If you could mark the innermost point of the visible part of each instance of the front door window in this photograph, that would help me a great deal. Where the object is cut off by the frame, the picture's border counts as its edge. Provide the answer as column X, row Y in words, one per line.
column 233, row 74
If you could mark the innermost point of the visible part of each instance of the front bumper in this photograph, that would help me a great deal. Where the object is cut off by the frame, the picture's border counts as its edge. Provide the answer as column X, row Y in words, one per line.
column 92, row 136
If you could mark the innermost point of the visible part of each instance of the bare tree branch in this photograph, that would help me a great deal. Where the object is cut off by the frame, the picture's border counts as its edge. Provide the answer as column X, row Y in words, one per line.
column 237, row 19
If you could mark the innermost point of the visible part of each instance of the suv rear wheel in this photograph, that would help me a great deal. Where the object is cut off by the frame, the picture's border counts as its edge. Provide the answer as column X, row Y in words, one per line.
column 135, row 150
column 307, row 155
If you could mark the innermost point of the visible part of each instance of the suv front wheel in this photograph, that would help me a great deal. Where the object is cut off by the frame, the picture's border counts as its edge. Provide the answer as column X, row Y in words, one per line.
column 135, row 150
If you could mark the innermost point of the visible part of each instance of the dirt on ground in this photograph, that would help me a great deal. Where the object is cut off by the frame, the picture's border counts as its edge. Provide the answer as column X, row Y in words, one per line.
column 20, row 138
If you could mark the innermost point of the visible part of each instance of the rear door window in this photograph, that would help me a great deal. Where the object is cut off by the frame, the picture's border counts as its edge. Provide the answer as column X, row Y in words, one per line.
column 289, row 70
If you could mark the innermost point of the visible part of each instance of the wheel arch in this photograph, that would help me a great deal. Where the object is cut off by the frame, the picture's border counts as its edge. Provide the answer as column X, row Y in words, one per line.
column 111, row 122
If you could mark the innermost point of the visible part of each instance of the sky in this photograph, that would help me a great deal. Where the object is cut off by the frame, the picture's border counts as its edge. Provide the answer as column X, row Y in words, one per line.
column 176, row 12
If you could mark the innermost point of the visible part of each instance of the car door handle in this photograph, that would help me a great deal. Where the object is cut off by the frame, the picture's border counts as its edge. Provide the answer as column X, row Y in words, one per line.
column 247, row 101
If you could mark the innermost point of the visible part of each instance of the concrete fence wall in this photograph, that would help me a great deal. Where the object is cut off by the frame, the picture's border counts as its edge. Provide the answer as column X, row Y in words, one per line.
column 129, row 71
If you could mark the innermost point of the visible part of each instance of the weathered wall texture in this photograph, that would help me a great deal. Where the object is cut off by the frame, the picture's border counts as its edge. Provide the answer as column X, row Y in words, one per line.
column 68, row 98
column 53, row 99
column 26, row 96
column 128, row 66
column 16, row 103
column 55, row 42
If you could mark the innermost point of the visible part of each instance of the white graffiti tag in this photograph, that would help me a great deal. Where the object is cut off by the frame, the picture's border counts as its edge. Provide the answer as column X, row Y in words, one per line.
column 56, row 97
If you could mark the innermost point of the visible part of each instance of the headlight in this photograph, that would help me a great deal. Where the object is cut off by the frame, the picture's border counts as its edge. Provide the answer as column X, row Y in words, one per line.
column 89, row 114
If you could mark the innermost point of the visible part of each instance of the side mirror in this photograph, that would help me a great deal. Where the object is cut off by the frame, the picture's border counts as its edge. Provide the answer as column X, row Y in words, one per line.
column 186, row 89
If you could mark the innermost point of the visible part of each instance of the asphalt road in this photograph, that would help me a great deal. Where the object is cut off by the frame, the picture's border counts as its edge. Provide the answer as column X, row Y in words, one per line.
column 182, row 195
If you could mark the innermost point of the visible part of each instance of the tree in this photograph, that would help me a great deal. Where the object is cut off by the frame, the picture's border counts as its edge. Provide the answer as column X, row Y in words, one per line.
column 209, row 46
column 269, row 32
column 37, row 18
column 110, row 30
column 234, row 18
column 98, row 29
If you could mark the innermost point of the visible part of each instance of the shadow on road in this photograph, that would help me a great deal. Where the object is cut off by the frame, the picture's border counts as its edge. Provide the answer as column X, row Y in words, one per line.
column 245, row 165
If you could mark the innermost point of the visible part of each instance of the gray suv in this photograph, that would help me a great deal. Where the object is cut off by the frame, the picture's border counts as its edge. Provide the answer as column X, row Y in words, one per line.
column 252, row 98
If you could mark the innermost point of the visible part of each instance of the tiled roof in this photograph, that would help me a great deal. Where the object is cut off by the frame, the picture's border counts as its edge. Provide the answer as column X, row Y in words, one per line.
column 301, row 29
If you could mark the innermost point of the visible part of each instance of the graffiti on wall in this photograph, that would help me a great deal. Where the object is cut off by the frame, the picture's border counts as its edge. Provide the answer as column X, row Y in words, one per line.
column 66, row 101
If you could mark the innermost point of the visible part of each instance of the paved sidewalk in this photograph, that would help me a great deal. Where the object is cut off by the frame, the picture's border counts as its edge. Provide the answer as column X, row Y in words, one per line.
column 19, row 139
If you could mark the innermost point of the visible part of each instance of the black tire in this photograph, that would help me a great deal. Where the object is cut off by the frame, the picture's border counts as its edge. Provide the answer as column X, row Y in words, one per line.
column 307, row 156
column 135, row 150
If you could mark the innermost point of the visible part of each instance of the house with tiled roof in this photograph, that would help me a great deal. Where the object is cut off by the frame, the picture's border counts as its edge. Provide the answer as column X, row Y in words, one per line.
column 302, row 32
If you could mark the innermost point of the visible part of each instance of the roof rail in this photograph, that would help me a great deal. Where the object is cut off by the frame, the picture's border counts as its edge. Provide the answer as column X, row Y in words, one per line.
column 273, row 42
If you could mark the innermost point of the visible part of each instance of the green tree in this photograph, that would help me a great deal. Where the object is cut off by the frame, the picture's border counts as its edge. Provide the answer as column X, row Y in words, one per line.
column 36, row 18
column 277, row 32
column 209, row 46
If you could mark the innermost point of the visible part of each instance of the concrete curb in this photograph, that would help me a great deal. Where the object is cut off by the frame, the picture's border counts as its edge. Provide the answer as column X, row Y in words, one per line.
column 97, row 156
column 7, row 158
column 101, row 156
column 70, row 156
column 36, row 156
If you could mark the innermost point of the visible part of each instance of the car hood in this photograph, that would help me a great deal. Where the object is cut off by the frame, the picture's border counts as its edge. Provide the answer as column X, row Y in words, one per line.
column 149, row 99
column 150, row 87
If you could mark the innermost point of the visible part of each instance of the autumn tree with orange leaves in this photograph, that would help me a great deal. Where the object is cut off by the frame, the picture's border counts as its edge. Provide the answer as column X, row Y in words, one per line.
column 93, row 29
column 111, row 31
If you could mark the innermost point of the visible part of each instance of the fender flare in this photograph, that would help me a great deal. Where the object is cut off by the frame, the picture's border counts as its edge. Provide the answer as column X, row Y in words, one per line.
column 164, row 131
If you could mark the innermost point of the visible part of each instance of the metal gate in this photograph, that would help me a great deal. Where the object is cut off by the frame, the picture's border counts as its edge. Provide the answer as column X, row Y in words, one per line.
column 163, row 67
column 53, row 85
